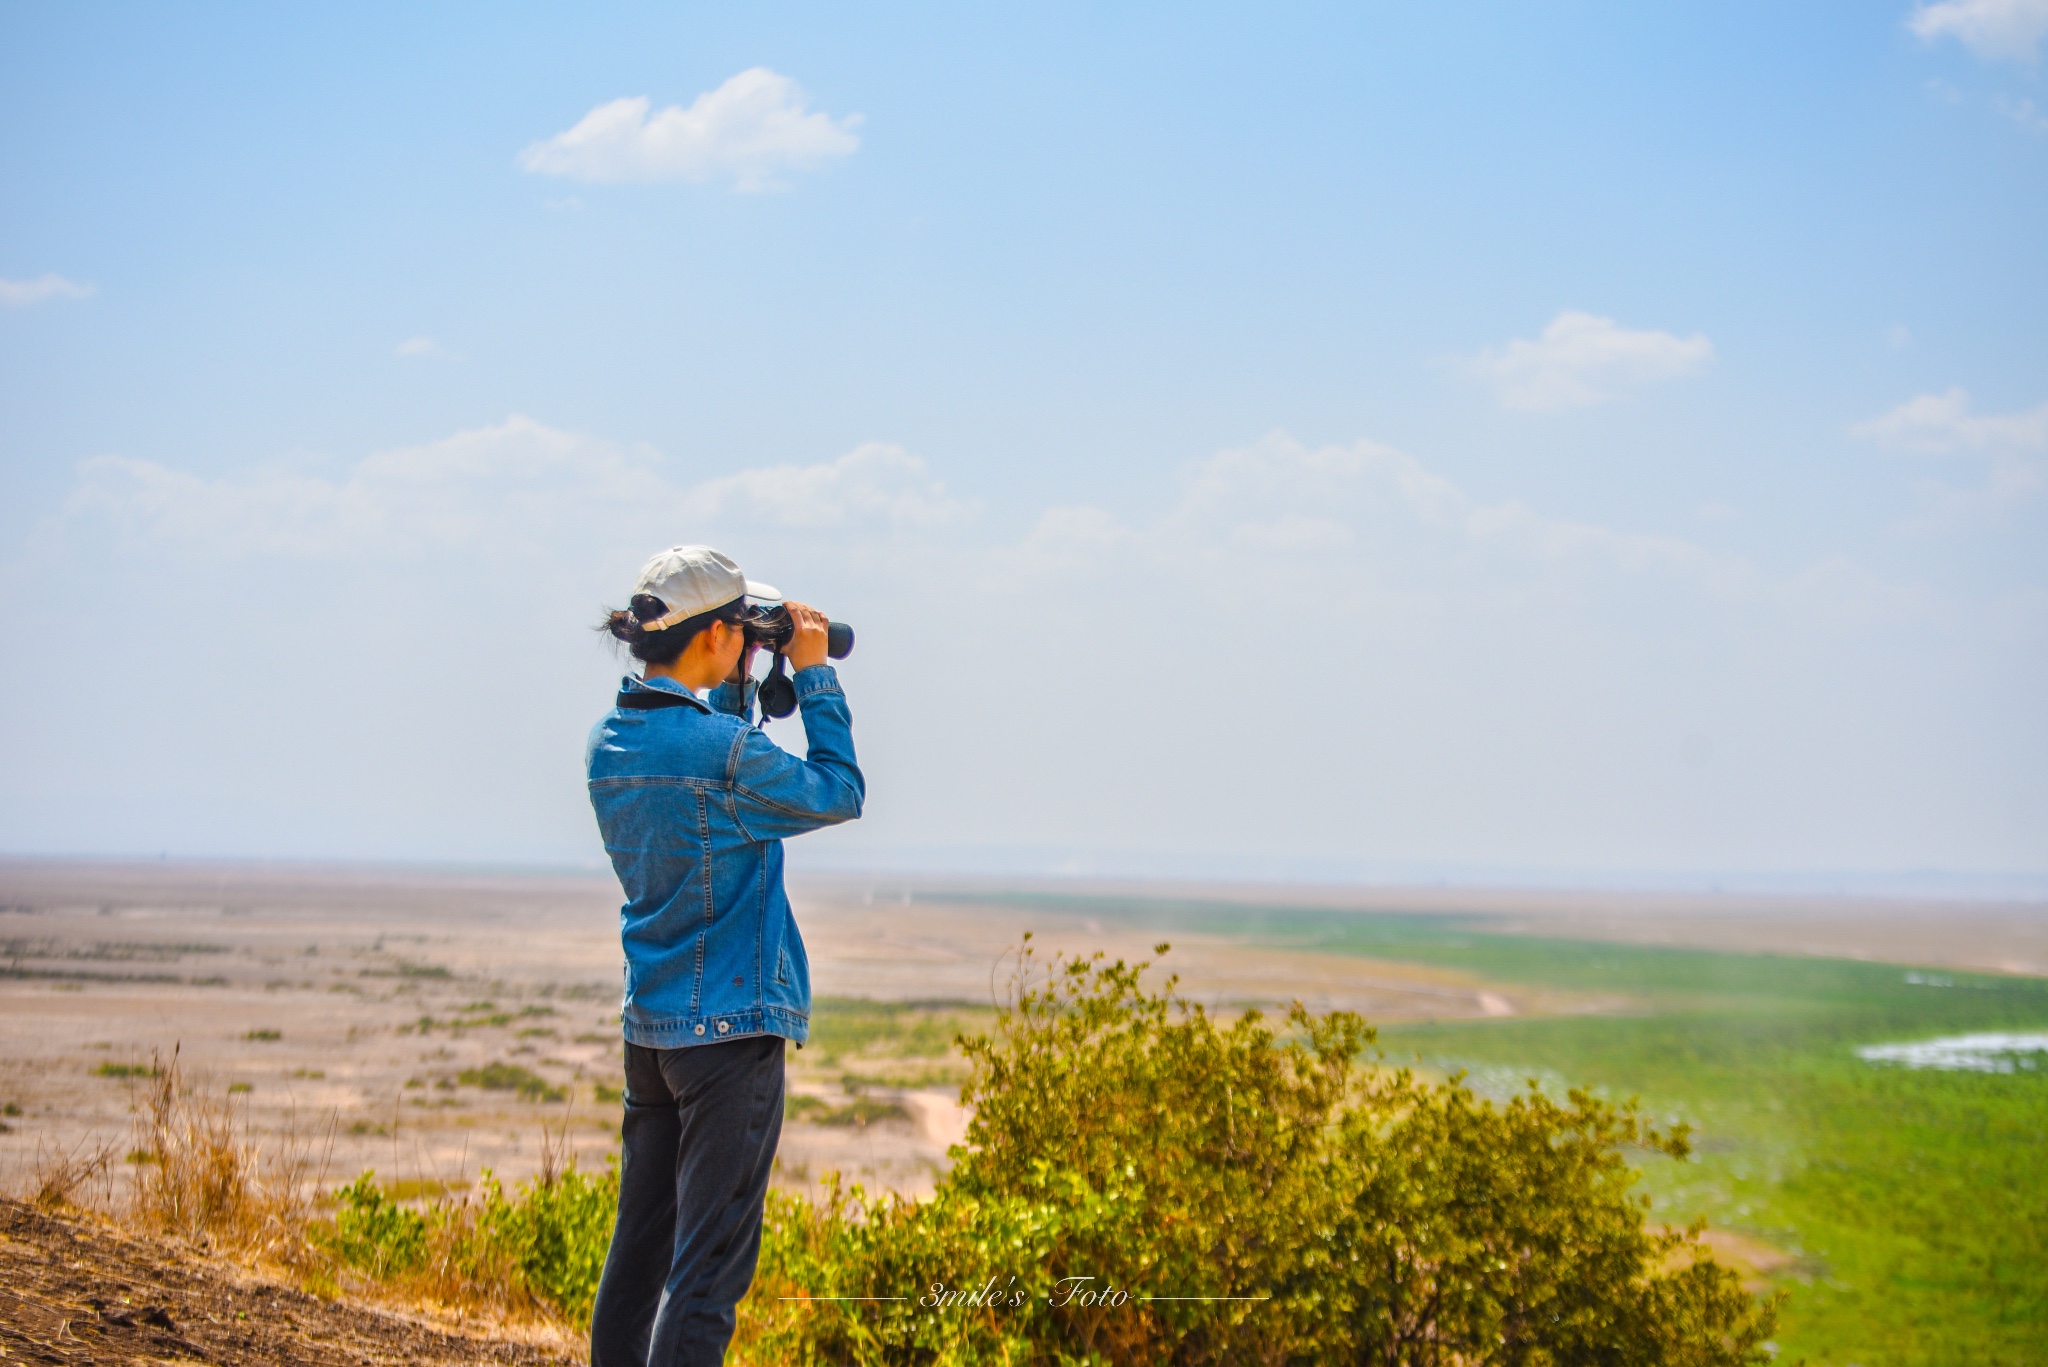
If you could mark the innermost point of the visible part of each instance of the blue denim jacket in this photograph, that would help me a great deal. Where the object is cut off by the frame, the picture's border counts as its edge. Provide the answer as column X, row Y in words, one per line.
column 694, row 803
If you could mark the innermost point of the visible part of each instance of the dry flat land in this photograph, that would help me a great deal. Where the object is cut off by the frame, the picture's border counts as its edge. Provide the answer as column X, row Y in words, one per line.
column 431, row 1024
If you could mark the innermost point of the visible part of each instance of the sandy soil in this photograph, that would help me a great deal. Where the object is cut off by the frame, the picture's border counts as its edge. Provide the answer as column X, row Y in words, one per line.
column 72, row 1290
column 333, row 1001
column 364, row 1008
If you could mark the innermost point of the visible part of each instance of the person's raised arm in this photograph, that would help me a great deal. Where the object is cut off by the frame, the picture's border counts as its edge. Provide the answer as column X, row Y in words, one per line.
column 775, row 793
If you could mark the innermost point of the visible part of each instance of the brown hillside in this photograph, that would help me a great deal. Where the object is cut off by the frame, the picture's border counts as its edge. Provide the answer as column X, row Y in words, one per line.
column 74, row 1291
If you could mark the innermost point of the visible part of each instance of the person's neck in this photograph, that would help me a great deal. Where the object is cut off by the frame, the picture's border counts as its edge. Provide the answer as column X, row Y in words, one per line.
column 680, row 671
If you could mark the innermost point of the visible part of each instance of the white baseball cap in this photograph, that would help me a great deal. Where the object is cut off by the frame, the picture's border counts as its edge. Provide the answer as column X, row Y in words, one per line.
column 690, row 580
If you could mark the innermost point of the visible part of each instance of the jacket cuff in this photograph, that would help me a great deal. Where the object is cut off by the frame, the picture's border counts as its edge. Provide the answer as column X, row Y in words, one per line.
column 815, row 680
column 733, row 701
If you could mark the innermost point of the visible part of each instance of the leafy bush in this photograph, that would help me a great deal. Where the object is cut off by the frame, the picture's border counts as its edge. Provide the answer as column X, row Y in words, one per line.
column 1141, row 1184
column 542, row 1248
column 372, row 1233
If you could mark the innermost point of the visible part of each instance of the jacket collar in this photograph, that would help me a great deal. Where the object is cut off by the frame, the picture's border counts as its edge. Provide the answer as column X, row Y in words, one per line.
column 661, row 684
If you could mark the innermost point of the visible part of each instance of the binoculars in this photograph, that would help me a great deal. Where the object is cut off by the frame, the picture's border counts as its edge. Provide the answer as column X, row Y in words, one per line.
column 772, row 627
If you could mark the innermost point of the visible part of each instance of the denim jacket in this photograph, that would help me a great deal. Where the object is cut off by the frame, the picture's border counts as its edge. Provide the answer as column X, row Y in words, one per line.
column 693, row 803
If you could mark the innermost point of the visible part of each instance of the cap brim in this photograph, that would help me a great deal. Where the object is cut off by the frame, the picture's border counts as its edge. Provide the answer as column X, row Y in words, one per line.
column 763, row 595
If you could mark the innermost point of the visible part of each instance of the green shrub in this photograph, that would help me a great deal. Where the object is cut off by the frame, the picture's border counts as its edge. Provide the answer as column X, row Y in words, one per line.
column 1129, row 1154
column 556, row 1234
column 542, row 1247
column 1143, row 1184
column 372, row 1233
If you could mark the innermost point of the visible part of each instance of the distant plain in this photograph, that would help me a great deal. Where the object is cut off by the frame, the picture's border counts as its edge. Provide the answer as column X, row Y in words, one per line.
column 432, row 1024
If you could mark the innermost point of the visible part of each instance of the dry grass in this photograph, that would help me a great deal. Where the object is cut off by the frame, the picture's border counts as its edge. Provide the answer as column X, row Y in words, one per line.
column 201, row 1178
column 199, row 1174
column 205, row 1179
column 64, row 1176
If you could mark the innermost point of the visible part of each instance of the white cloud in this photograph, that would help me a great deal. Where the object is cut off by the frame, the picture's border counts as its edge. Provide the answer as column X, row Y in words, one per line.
column 2014, row 444
column 19, row 293
column 754, row 127
column 1391, row 666
column 1353, row 525
column 420, row 347
column 1990, row 28
column 873, row 482
column 1942, row 423
column 518, row 482
column 2023, row 112
column 1582, row 360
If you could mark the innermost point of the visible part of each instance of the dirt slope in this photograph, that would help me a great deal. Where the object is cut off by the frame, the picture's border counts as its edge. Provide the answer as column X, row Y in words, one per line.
column 73, row 1291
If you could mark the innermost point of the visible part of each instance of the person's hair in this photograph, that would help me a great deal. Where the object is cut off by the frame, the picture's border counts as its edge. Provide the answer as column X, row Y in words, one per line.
column 662, row 647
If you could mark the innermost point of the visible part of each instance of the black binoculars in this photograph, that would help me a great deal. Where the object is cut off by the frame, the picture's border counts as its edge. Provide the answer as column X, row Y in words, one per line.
column 772, row 627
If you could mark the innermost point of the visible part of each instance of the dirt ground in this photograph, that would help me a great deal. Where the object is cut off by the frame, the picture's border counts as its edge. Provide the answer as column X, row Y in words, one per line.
column 432, row 1024
column 74, row 1291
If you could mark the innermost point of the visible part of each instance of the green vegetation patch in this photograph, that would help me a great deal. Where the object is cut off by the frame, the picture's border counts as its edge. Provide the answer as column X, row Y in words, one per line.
column 406, row 969
column 475, row 1016
column 544, row 1245
column 510, row 1077
column 1914, row 1202
column 1221, row 1194
column 127, row 1070
column 844, row 1026
column 861, row 1111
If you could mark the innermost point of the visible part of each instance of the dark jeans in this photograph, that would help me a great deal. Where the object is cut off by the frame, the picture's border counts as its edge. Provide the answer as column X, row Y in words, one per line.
column 700, row 1134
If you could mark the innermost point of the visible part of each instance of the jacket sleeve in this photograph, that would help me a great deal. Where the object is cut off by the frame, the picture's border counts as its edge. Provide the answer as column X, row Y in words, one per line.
column 777, row 795
column 733, row 701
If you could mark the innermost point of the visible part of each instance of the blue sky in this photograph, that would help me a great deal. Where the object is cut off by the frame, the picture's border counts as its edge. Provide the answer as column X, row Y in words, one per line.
column 1627, row 425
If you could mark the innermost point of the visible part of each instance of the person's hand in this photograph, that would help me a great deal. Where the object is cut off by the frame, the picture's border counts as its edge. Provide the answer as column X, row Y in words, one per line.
column 807, row 643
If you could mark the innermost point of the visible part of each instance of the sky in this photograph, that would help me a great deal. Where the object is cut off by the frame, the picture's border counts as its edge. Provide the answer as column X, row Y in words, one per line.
column 1561, row 442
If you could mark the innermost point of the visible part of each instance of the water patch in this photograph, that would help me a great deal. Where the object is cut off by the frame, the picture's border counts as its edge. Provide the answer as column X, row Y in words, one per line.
column 1990, row 1052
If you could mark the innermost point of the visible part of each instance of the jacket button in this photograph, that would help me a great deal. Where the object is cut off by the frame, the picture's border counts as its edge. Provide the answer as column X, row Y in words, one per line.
column 724, row 1026
column 700, row 1027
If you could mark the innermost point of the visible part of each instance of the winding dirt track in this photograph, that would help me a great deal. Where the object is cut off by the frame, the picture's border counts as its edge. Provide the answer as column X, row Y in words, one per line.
column 74, row 1291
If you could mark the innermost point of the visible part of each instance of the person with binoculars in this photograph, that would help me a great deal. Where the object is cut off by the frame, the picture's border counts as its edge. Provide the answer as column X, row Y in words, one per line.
column 694, row 802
